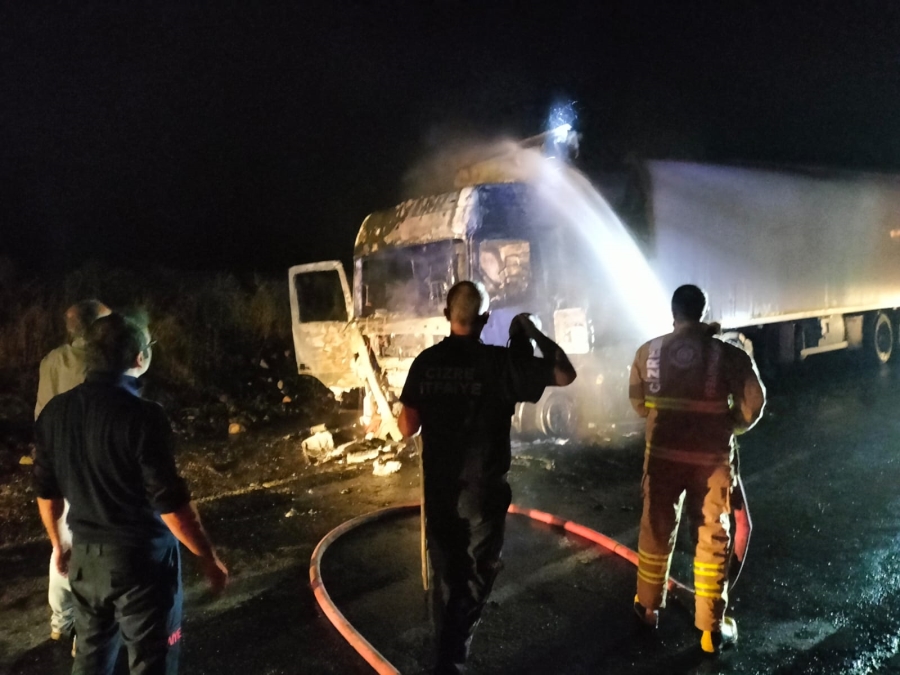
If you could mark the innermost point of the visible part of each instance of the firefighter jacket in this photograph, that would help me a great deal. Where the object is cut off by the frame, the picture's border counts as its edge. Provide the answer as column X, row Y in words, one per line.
column 696, row 393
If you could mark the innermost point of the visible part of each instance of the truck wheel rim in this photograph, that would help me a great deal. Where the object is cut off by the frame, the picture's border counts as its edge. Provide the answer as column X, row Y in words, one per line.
column 884, row 338
column 558, row 417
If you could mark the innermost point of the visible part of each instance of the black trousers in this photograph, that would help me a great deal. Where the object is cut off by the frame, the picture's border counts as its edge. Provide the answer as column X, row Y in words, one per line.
column 464, row 546
column 131, row 595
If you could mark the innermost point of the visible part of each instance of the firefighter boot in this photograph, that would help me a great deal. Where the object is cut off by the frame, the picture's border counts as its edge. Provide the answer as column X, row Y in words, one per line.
column 713, row 642
column 648, row 618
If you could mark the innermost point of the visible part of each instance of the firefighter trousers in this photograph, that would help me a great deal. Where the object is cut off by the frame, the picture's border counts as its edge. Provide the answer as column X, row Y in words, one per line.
column 464, row 547
column 706, row 491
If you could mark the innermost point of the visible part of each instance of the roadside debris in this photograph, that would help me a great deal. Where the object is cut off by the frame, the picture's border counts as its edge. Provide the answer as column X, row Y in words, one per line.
column 385, row 468
column 319, row 445
column 547, row 463
column 362, row 456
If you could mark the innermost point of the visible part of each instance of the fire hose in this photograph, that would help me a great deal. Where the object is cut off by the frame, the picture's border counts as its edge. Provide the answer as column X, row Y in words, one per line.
column 365, row 649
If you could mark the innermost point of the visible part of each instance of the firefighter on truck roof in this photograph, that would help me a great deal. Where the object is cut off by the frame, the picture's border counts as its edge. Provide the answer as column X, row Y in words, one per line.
column 696, row 392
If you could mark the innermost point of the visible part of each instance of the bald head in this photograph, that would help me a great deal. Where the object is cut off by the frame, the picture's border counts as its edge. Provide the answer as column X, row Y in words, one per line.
column 464, row 308
column 81, row 315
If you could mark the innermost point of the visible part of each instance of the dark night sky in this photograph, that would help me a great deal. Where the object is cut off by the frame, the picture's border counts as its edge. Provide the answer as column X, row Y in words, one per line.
column 258, row 135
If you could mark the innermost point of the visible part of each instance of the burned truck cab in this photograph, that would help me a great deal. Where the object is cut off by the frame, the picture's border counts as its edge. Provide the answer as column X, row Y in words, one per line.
column 406, row 259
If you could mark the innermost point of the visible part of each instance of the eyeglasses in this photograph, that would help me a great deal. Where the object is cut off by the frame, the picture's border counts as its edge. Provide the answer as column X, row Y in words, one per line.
column 149, row 345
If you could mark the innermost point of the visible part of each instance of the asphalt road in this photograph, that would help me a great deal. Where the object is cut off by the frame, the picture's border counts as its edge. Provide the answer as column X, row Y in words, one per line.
column 818, row 593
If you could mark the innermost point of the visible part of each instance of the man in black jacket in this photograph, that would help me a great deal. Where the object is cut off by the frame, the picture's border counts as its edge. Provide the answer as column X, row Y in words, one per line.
column 110, row 454
column 462, row 395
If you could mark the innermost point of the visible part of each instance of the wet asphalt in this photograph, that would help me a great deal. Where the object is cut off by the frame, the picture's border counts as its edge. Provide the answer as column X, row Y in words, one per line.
column 817, row 595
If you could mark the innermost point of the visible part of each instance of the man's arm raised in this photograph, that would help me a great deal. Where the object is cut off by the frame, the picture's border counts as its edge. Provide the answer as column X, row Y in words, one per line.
column 563, row 371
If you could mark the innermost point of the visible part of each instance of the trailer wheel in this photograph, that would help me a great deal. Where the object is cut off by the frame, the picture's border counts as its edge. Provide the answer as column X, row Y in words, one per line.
column 880, row 338
column 558, row 416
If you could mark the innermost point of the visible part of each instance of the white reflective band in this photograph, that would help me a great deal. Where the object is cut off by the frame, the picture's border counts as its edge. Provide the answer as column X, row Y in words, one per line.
column 652, row 375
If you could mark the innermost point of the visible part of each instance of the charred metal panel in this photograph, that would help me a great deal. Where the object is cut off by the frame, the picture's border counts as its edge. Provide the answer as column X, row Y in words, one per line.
column 572, row 330
column 417, row 221
column 326, row 353
column 399, row 325
column 321, row 310
column 396, row 341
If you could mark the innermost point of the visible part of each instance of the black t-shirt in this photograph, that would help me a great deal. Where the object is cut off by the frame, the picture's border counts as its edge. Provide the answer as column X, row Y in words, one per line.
column 465, row 393
column 110, row 454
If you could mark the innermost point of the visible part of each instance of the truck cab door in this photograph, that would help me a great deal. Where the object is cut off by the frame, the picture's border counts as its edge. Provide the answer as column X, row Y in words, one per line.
column 321, row 318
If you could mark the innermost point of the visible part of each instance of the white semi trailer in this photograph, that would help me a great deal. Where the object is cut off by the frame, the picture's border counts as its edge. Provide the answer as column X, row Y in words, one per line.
column 798, row 262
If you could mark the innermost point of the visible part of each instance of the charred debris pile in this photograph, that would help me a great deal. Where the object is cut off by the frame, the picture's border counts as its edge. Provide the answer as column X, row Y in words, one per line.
column 223, row 361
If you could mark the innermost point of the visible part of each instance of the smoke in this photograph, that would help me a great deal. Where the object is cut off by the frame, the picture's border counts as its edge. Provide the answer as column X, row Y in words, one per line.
column 627, row 280
column 614, row 277
column 598, row 271
column 436, row 172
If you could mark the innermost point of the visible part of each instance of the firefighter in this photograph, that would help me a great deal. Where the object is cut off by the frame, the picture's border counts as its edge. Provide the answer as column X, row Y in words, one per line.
column 696, row 393
column 462, row 393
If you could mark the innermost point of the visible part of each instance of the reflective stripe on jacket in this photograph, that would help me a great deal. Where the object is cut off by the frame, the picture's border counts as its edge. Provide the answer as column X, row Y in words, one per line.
column 695, row 392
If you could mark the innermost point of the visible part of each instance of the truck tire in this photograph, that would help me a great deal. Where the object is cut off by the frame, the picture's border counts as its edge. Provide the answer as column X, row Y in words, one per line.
column 558, row 416
column 880, row 338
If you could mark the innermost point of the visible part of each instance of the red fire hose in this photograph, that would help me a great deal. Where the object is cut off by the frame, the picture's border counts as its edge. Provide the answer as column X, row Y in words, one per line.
column 372, row 656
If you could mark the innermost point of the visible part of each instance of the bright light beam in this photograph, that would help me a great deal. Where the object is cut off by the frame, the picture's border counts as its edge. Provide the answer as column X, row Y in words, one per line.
column 629, row 272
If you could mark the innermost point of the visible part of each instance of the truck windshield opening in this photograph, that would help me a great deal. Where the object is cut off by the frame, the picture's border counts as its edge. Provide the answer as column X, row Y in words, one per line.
column 412, row 280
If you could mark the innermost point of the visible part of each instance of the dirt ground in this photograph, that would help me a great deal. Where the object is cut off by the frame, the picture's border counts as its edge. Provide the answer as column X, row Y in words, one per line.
column 821, row 472
column 243, row 462
column 236, row 480
column 272, row 407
